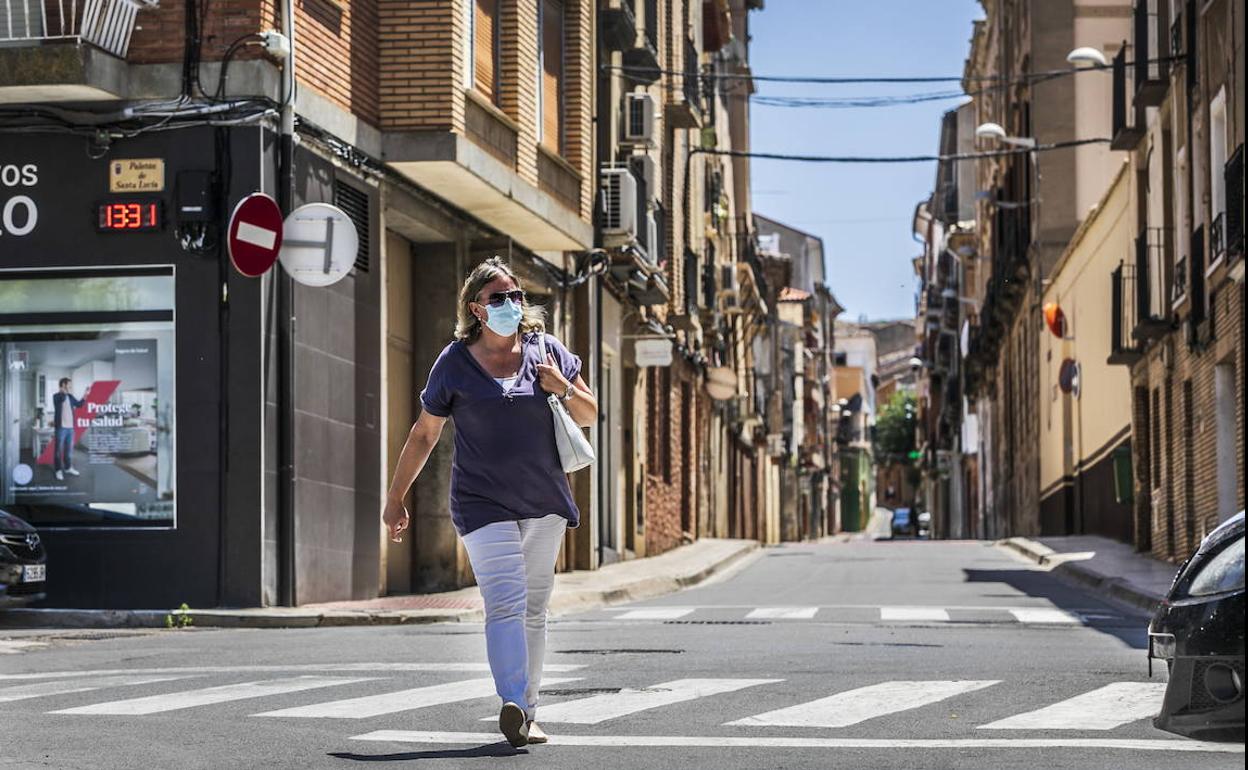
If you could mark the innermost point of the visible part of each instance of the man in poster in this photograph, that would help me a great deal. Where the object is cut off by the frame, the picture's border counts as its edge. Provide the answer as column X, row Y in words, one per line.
column 63, row 406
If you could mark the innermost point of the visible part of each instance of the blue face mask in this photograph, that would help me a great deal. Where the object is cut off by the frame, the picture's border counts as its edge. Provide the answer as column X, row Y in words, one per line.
column 503, row 320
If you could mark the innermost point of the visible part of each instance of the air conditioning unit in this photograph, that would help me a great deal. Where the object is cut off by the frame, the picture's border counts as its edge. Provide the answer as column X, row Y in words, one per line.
column 619, row 201
column 639, row 119
column 645, row 169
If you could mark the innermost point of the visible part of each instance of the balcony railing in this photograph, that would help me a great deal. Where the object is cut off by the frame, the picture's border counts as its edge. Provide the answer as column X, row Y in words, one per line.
column 641, row 62
column 1151, row 72
column 1217, row 241
column 1125, row 118
column 1152, row 314
column 692, row 81
column 106, row 24
column 1196, row 273
column 684, row 105
column 1233, row 231
column 1178, row 289
column 1123, row 348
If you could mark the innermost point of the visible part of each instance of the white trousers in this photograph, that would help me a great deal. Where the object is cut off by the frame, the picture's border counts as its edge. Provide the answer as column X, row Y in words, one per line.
column 514, row 562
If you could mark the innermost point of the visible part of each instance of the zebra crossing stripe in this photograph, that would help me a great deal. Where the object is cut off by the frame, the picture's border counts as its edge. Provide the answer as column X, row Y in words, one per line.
column 656, row 613
column 1042, row 615
column 782, row 613
column 469, row 668
column 66, row 686
column 859, row 705
column 733, row 742
column 914, row 613
column 1104, row 708
column 600, row 708
column 155, row 704
column 401, row 700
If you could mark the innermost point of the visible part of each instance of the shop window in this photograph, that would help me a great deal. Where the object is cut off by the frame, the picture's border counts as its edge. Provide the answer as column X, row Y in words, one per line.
column 87, row 397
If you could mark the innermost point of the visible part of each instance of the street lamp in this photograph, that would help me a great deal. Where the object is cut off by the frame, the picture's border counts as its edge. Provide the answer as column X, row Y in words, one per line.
column 997, row 132
column 1087, row 56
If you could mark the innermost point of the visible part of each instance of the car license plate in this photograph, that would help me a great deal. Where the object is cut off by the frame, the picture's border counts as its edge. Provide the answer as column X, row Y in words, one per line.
column 34, row 573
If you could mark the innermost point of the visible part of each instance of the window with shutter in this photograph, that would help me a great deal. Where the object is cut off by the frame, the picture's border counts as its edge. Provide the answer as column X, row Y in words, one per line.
column 485, row 48
column 552, row 75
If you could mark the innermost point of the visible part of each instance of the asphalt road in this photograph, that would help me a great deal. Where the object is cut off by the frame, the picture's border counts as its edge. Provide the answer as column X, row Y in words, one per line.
column 861, row 655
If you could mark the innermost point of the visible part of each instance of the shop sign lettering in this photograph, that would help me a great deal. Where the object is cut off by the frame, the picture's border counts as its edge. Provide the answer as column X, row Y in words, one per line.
column 18, row 212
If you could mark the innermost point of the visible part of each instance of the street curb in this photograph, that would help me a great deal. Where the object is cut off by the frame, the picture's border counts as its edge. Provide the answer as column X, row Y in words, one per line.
column 576, row 600
column 571, row 599
column 1108, row 586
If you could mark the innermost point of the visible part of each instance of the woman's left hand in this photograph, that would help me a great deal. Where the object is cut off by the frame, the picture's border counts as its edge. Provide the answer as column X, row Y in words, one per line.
column 551, row 378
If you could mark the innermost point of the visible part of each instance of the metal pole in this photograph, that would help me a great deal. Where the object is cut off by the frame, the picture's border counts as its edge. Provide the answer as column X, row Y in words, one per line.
column 287, row 594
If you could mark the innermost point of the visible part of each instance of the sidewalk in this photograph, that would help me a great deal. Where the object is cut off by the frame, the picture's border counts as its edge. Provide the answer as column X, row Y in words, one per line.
column 624, row 581
column 1107, row 567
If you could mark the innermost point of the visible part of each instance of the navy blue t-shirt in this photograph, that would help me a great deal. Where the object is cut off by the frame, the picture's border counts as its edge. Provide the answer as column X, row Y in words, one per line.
column 506, row 465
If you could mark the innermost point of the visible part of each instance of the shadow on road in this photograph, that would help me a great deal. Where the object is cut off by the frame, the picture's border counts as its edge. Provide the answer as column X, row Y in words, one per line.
column 1130, row 629
column 500, row 749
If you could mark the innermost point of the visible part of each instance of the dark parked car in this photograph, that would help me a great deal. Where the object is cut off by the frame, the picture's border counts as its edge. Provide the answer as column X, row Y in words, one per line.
column 1199, row 632
column 23, row 565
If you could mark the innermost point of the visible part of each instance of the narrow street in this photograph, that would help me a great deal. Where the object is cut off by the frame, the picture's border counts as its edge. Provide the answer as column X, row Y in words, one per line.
column 886, row 654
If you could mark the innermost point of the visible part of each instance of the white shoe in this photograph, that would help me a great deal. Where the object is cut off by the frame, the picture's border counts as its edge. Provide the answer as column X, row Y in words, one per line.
column 512, row 724
column 72, row 472
column 60, row 476
column 536, row 734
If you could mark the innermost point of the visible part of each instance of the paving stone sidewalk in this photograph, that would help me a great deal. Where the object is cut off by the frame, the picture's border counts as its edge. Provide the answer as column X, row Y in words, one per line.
column 1106, row 567
column 623, row 581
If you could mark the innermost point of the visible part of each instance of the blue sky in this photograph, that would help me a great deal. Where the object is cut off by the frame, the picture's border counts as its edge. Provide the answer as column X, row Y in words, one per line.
column 862, row 212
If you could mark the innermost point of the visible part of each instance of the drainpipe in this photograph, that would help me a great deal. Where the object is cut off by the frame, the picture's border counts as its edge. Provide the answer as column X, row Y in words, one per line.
column 284, row 311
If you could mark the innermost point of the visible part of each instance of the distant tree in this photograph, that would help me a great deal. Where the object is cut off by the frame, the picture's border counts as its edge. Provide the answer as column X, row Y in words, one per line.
column 895, row 428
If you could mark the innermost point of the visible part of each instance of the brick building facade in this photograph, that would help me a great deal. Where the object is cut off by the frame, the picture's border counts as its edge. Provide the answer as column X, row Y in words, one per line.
column 1180, row 322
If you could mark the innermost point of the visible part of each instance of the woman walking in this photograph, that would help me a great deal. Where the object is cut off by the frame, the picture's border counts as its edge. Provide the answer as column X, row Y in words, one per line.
column 510, row 501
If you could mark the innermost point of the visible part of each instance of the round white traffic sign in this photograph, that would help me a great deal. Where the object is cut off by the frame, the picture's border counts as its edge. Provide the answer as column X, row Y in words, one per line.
column 319, row 244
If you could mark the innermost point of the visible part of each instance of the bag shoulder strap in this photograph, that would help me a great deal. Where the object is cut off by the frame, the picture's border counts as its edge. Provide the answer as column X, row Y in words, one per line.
column 541, row 342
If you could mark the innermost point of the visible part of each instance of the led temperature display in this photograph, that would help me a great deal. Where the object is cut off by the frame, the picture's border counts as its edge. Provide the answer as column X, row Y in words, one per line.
column 129, row 216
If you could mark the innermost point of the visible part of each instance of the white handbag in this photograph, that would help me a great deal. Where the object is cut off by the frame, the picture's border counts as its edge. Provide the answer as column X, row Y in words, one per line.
column 575, row 451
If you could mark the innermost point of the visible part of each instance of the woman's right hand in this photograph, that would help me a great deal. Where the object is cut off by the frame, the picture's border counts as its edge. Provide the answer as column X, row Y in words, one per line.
column 396, row 518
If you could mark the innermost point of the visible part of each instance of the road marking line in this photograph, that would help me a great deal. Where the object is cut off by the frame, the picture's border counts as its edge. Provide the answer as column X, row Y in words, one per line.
column 858, row 705
column 783, row 613
column 156, row 704
column 64, row 687
column 599, row 708
column 914, row 613
column 720, row 741
column 656, row 613
column 394, row 702
column 1042, row 615
column 471, row 668
column 1104, row 708
column 13, row 646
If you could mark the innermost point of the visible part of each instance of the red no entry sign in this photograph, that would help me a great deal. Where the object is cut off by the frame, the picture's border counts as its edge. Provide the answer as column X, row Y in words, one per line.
column 255, row 234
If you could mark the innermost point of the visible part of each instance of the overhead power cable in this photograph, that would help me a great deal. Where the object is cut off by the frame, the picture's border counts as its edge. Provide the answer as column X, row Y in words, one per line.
column 1023, row 78
column 898, row 158
column 852, row 102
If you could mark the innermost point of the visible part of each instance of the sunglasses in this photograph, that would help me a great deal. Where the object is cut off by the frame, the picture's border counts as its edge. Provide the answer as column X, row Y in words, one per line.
column 499, row 297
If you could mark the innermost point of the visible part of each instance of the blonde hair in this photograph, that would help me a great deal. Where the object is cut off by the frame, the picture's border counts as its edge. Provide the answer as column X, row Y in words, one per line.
column 468, row 326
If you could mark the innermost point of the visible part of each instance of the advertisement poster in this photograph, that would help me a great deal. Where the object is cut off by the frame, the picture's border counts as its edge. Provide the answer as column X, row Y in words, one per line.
column 88, row 425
